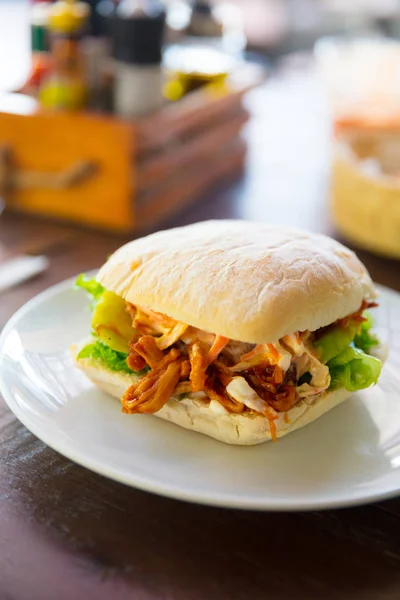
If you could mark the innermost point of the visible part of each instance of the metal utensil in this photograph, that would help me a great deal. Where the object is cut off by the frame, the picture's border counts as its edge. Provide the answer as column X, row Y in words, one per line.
column 19, row 269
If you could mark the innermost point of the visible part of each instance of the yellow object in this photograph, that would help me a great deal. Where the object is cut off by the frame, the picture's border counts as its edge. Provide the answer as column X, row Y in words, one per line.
column 65, row 87
column 189, row 68
column 53, row 142
column 68, row 16
column 183, row 83
column 366, row 190
column 69, row 95
column 112, row 322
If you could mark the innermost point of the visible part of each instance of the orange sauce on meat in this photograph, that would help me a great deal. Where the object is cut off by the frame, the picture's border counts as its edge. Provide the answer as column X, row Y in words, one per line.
column 274, row 352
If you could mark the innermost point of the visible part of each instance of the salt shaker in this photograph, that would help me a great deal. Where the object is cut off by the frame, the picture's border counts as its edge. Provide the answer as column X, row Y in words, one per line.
column 137, row 30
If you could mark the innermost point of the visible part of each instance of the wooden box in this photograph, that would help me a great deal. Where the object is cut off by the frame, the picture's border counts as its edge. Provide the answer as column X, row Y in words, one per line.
column 121, row 175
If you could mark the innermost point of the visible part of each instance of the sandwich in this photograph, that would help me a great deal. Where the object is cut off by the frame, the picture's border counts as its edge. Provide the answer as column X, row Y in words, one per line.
column 238, row 330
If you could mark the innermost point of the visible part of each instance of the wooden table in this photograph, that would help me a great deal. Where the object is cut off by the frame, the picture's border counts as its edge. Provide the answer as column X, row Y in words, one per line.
column 68, row 533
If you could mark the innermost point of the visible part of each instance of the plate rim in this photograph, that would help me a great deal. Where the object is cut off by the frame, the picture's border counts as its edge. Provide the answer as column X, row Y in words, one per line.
column 149, row 485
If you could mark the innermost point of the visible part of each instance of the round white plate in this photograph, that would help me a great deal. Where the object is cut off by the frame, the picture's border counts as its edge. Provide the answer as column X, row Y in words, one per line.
column 349, row 456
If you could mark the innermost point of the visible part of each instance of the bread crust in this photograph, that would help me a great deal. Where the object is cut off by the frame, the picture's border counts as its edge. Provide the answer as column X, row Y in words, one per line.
column 248, row 281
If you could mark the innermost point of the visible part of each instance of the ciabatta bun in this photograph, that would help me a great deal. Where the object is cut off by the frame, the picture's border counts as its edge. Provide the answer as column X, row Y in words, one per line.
column 250, row 282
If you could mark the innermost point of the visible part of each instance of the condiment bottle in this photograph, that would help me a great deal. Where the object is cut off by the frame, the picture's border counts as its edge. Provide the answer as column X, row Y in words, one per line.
column 203, row 22
column 66, row 88
column 39, row 47
column 96, row 49
column 137, row 30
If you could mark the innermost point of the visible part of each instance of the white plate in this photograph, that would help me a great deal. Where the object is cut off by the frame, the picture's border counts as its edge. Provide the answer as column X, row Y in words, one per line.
column 349, row 456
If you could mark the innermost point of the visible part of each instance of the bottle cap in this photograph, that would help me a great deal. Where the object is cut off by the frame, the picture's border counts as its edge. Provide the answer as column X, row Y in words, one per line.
column 40, row 14
column 97, row 21
column 137, row 31
column 68, row 16
column 202, row 7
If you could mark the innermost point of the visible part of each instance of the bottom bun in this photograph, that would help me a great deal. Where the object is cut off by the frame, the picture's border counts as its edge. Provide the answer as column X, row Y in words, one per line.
column 194, row 413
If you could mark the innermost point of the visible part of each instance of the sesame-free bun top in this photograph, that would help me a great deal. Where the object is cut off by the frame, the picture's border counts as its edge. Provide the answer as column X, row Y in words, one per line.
column 247, row 281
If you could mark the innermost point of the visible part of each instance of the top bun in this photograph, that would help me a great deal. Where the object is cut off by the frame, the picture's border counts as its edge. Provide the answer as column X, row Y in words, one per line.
column 247, row 281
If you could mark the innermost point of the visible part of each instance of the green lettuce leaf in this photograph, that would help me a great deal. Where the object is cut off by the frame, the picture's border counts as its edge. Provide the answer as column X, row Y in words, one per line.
column 91, row 286
column 354, row 370
column 116, row 361
column 98, row 350
column 337, row 339
column 364, row 339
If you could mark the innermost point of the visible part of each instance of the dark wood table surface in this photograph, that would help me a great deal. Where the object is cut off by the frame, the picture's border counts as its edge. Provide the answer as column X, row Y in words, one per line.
column 68, row 533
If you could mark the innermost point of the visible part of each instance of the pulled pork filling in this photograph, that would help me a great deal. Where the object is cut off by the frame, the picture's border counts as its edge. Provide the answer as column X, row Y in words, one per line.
column 240, row 377
column 262, row 378
column 178, row 360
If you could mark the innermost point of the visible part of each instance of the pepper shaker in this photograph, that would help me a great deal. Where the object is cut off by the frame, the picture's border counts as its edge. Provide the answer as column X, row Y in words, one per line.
column 137, row 30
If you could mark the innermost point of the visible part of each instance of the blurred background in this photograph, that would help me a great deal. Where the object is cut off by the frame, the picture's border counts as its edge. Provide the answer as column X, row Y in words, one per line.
column 121, row 117
column 272, row 28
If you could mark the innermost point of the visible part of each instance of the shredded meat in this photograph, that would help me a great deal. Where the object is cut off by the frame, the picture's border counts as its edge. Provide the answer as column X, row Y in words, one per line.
column 147, row 348
column 152, row 391
column 234, row 350
column 290, row 375
column 184, row 360
column 285, row 399
column 185, row 370
column 171, row 336
column 183, row 387
column 199, row 364
column 135, row 361
column 219, row 344
column 261, row 384
column 216, row 391
column 222, row 373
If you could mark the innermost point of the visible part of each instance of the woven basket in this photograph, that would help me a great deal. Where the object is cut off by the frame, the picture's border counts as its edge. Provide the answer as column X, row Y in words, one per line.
column 366, row 201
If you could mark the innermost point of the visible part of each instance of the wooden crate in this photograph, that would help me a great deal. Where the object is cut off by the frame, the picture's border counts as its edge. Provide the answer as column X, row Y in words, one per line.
column 121, row 175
